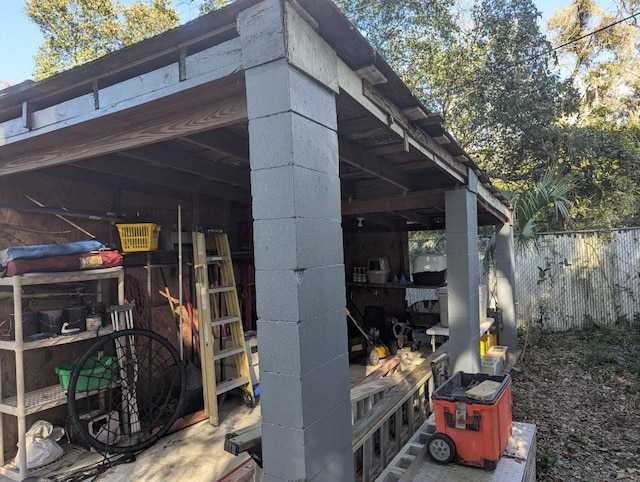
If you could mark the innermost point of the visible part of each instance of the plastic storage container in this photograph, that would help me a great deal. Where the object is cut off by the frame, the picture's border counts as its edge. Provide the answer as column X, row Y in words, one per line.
column 479, row 427
column 30, row 324
column 430, row 269
column 51, row 321
column 75, row 320
column 138, row 237
column 378, row 270
column 491, row 365
column 498, row 351
column 96, row 373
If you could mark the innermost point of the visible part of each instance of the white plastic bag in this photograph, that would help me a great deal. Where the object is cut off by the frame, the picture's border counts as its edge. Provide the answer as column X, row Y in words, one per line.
column 41, row 444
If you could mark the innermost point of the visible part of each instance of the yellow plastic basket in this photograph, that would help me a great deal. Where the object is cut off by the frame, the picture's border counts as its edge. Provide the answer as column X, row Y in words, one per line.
column 138, row 236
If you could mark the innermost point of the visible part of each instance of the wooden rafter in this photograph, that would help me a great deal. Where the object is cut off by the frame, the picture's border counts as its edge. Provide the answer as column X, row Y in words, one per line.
column 222, row 142
column 163, row 177
column 415, row 200
column 162, row 155
column 356, row 157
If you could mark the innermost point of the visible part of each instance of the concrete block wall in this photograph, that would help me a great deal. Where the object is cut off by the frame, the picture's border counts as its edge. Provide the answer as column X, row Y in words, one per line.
column 505, row 284
column 298, row 247
column 463, row 277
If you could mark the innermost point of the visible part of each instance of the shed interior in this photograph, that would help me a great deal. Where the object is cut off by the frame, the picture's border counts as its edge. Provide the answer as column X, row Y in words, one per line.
column 190, row 148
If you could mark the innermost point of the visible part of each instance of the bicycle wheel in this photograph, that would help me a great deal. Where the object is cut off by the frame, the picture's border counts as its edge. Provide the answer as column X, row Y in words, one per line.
column 126, row 391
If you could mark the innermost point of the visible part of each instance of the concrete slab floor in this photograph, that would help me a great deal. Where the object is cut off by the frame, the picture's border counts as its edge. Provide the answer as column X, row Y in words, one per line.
column 196, row 453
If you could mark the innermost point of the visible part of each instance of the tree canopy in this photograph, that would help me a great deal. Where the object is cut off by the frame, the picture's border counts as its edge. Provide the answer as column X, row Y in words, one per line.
column 519, row 101
column 77, row 31
column 519, row 105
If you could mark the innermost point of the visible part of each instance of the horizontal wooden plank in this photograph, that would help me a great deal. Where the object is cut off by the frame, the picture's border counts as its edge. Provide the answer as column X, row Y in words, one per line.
column 373, row 165
column 413, row 200
column 121, row 136
column 142, row 89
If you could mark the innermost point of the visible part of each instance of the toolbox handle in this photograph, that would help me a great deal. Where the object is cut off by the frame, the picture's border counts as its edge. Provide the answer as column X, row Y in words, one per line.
column 451, row 422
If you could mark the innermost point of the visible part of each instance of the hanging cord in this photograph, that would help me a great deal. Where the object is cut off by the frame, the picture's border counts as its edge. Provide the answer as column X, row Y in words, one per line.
column 135, row 293
column 94, row 471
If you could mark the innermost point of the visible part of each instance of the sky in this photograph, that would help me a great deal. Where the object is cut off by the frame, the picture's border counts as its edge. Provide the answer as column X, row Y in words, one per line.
column 20, row 38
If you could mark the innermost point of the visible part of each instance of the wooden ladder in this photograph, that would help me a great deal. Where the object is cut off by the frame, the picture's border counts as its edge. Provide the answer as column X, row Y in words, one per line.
column 219, row 313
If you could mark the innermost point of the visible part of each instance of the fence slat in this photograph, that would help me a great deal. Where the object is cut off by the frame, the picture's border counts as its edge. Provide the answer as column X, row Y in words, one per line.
column 579, row 277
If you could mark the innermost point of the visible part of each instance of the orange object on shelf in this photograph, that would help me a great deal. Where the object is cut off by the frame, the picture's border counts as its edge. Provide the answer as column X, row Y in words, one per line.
column 474, row 412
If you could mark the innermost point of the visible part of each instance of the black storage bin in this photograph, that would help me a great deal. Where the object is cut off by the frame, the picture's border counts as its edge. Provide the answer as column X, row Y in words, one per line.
column 30, row 324
column 75, row 320
column 433, row 278
column 51, row 321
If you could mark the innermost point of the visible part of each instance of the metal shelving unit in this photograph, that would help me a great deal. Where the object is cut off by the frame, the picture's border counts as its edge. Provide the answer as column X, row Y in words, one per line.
column 27, row 403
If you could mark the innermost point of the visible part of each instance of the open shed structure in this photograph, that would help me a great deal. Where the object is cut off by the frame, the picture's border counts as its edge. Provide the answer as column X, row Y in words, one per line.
column 279, row 109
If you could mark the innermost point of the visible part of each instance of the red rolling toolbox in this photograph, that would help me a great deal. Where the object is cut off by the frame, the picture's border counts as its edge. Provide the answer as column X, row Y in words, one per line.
column 473, row 419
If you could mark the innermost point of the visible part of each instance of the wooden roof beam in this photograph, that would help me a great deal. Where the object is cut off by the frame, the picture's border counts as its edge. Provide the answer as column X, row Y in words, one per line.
column 411, row 201
column 162, row 155
column 140, row 126
column 357, row 157
column 164, row 177
column 415, row 217
column 222, row 142
column 113, row 181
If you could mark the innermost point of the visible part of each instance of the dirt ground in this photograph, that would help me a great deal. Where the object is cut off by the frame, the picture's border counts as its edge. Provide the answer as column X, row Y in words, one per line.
column 582, row 389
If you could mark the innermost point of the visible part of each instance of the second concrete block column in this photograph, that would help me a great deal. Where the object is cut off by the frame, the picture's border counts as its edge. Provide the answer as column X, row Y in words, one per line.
column 304, row 370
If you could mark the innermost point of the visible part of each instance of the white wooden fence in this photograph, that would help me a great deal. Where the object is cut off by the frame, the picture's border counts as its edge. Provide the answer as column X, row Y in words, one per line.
column 580, row 277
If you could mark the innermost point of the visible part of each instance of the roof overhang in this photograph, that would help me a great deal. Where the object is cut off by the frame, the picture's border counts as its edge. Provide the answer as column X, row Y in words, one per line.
column 173, row 108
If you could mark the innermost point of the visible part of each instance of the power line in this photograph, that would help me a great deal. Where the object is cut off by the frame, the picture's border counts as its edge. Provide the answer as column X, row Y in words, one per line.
column 577, row 39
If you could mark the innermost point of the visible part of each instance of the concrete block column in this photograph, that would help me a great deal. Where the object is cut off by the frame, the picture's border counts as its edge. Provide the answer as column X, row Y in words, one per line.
column 505, row 284
column 463, row 277
column 300, row 285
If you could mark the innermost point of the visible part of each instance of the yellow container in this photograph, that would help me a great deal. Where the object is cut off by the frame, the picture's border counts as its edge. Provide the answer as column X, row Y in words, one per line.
column 484, row 344
column 493, row 341
column 138, row 236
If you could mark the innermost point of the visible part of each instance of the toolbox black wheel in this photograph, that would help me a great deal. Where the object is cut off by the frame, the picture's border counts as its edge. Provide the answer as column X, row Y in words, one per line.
column 373, row 357
column 441, row 448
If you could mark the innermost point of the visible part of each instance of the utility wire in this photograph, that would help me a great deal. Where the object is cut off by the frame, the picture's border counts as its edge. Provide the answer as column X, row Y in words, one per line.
column 577, row 39
column 507, row 68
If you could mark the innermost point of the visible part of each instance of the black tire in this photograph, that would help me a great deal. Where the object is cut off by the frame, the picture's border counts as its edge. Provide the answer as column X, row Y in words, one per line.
column 144, row 380
column 373, row 358
column 441, row 448
column 393, row 347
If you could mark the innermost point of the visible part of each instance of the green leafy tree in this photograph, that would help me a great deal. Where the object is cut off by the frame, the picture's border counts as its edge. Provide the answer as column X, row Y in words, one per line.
column 601, row 142
column 602, row 57
column 605, row 158
column 210, row 5
column 547, row 199
column 520, row 107
column 482, row 66
column 78, row 31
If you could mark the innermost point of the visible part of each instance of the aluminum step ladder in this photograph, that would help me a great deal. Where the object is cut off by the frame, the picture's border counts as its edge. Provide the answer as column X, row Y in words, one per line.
column 225, row 365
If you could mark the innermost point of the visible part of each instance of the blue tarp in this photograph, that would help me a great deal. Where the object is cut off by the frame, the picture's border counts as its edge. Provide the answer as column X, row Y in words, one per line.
column 45, row 250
